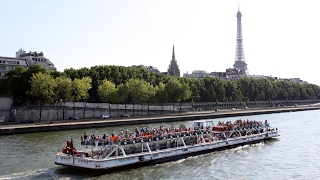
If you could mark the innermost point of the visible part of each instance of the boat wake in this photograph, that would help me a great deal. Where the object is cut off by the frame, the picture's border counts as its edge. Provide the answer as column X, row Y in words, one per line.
column 57, row 173
column 37, row 174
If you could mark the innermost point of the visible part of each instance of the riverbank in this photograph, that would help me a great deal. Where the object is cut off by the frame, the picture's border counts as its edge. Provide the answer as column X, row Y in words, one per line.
column 97, row 123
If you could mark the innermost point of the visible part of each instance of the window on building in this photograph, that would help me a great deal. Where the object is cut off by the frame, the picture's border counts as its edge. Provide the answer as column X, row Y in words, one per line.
column 3, row 68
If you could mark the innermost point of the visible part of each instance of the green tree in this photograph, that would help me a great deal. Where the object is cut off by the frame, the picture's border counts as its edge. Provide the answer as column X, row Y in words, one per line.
column 107, row 91
column 79, row 90
column 139, row 90
column 42, row 88
column 177, row 91
column 15, row 83
column 122, row 93
column 160, row 93
column 63, row 91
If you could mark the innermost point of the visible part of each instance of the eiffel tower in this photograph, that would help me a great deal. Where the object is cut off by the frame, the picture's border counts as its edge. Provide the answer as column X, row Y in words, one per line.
column 240, row 60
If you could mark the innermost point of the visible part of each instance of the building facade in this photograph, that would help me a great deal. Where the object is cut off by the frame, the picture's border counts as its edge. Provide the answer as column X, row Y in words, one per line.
column 173, row 67
column 149, row 68
column 8, row 63
column 234, row 74
column 197, row 74
column 36, row 58
column 24, row 59
column 229, row 74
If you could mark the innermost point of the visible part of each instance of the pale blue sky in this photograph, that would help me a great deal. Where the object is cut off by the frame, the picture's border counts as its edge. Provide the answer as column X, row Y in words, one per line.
column 281, row 38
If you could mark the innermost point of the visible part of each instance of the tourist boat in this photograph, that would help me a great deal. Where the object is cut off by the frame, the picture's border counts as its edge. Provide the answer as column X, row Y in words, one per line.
column 160, row 144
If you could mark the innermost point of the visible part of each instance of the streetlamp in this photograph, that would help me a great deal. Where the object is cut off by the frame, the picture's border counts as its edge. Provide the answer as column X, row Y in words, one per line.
column 132, row 107
column 84, row 110
column 118, row 109
column 141, row 109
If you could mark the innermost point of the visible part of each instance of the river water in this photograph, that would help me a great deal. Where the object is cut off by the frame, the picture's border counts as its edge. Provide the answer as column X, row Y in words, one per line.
column 293, row 155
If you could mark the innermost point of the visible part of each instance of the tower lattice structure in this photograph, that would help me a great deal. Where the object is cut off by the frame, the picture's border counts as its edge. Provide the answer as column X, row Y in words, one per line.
column 240, row 59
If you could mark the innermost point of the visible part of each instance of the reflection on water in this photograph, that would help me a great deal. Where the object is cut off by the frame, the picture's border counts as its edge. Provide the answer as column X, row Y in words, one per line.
column 294, row 155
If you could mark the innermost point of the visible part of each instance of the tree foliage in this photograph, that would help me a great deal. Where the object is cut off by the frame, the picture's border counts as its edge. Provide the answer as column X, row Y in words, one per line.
column 119, row 84
column 107, row 91
column 63, row 89
column 80, row 88
column 42, row 87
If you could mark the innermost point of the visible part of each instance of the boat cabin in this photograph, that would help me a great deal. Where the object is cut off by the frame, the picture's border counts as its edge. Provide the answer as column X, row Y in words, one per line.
column 201, row 124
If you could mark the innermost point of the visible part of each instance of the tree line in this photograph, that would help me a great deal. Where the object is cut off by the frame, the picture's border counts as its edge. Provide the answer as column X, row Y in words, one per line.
column 119, row 84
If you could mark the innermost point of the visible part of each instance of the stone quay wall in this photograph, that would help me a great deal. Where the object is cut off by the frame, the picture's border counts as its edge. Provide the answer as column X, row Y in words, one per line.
column 84, row 110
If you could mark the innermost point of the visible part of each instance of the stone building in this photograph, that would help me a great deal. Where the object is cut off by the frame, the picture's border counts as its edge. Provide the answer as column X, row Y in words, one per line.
column 149, row 68
column 24, row 59
column 9, row 63
column 197, row 74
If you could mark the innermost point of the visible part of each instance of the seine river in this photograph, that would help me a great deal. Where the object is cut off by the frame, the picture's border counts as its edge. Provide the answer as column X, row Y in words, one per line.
column 294, row 155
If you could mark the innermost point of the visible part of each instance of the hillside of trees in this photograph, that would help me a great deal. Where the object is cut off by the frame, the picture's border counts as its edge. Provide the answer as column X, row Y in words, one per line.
column 119, row 84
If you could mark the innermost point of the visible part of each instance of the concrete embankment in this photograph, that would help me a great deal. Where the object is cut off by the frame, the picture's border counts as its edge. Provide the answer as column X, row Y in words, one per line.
column 94, row 123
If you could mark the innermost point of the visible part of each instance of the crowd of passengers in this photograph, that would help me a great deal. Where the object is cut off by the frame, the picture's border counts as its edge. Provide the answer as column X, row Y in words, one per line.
column 246, row 124
column 143, row 133
column 160, row 132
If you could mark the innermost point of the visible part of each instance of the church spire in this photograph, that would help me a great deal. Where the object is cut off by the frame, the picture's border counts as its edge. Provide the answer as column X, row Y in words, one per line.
column 173, row 67
column 173, row 56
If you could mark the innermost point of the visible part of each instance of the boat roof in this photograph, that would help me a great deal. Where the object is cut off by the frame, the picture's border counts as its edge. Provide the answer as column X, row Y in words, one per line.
column 203, row 121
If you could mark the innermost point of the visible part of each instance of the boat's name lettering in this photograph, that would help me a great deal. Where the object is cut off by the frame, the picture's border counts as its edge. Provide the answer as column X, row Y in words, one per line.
column 126, row 159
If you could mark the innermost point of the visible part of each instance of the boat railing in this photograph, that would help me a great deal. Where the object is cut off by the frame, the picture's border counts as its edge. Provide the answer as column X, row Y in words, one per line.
column 118, row 140
column 96, row 142
column 172, row 135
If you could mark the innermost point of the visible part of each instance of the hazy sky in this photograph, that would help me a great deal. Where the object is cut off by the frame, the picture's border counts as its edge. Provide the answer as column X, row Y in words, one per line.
column 281, row 37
